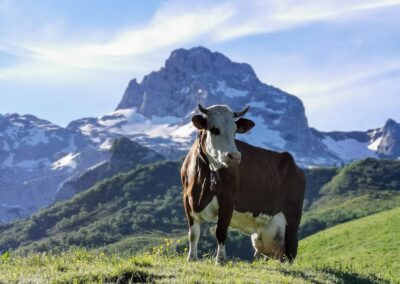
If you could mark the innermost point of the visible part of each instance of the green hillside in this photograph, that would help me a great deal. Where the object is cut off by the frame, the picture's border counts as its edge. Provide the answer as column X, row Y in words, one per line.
column 367, row 245
column 360, row 251
column 130, row 213
column 359, row 189
column 133, row 211
column 145, row 200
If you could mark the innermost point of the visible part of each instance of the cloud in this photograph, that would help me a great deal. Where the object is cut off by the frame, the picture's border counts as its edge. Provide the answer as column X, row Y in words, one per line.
column 256, row 17
column 167, row 29
column 175, row 24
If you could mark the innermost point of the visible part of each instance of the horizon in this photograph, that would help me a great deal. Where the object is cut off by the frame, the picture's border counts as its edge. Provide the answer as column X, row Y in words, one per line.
column 337, row 58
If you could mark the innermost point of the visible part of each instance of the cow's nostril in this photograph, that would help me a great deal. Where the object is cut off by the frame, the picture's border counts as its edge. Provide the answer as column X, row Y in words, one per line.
column 234, row 156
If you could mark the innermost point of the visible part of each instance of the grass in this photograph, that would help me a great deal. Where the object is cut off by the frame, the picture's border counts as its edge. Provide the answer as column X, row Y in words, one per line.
column 81, row 266
column 332, row 210
column 359, row 189
column 361, row 251
column 367, row 245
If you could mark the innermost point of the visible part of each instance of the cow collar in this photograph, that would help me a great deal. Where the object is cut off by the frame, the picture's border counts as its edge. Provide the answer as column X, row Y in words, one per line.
column 214, row 175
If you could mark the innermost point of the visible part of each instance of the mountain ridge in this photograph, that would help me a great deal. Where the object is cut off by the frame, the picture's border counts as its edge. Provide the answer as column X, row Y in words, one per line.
column 155, row 113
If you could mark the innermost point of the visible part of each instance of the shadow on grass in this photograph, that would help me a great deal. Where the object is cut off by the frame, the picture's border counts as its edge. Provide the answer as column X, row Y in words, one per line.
column 337, row 276
column 135, row 277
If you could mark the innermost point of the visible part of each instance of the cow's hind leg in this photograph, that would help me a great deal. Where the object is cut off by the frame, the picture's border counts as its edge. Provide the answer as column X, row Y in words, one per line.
column 291, row 243
column 194, row 235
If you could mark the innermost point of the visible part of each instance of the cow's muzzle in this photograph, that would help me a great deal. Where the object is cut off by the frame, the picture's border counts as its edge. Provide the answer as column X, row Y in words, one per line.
column 232, row 159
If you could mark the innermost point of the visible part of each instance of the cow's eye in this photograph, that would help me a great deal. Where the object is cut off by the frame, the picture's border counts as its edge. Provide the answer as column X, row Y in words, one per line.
column 214, row 131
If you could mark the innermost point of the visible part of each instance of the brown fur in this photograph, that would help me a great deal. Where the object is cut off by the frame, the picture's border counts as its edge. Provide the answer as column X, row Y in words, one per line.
column 265, row 182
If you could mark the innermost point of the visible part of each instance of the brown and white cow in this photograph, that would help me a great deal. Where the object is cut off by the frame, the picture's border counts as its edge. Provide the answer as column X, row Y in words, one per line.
column 257, row 191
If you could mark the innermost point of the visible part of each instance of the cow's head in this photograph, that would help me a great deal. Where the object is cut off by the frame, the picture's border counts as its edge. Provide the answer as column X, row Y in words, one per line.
column 219, row 125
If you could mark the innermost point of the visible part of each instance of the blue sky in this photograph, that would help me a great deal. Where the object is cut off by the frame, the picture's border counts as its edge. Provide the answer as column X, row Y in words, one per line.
column 63, row 60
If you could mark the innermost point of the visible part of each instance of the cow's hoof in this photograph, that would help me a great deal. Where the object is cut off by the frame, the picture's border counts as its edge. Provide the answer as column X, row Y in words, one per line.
column 192, row 258
column 220, row 261
column 257, row 256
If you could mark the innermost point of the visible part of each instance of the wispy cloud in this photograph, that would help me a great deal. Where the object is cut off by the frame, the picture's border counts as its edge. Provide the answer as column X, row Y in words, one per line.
column 176, row 24
column 168, row 28
column 256, row 17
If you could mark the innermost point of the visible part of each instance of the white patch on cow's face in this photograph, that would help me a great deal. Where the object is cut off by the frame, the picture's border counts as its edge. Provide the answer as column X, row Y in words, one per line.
column 220, row 141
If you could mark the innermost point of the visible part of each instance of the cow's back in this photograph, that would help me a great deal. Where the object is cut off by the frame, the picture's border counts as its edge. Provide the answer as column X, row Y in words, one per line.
column 267, row 179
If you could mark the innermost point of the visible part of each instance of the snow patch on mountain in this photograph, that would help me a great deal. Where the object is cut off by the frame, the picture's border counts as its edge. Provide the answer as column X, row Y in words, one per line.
column 262, row 135
column 229, row 92
column 68, row 161
column 375, row 144
column 349, row 149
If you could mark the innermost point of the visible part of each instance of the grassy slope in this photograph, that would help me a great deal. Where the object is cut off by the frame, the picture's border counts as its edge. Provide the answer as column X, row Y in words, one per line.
column 81, row 266
column 360, row 251
column 360, row 189
column 370, row 244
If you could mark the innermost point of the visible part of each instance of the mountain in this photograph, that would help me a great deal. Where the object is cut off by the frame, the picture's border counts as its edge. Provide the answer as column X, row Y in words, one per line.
column 379, row 143
column 35, row 157
column 125, row 156
column 156, row 112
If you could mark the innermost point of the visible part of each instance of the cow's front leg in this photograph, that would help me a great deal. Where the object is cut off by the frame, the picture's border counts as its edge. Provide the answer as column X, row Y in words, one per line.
column 224, row 219
column 194, row 235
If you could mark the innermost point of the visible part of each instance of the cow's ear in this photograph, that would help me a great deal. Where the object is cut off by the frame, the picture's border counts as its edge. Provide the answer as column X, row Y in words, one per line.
column 199, row 122
column 244, row 125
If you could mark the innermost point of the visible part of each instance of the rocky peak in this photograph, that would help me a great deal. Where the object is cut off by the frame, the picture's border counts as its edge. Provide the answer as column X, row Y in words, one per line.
column 201, row 60
column 25, row 121
column 390, row 143
column 125, row 154
column 170, row 96
column 391, row 124
column 191, row 76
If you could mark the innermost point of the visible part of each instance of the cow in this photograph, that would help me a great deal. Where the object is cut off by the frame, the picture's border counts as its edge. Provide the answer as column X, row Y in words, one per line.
column 257, row 191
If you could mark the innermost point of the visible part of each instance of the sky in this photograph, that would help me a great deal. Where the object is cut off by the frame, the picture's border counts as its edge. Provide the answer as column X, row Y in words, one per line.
column 68, row 59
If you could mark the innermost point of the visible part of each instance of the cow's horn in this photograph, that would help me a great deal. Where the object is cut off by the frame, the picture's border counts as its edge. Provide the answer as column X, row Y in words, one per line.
column 241, row 113
column 202, row 109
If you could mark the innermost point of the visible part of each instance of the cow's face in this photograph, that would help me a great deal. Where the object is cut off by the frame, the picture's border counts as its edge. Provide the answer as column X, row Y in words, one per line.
column 220, row 125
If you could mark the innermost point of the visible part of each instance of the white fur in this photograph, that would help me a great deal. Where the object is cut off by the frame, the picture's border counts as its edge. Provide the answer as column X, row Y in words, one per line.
column 210, row 213
column 194, row 235
column 269, row 240
column 219, row 146
column 221, row 254
column 263, row 229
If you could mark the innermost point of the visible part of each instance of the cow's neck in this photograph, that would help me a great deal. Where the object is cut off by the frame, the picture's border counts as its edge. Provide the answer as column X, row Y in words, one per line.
column 213, row 176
